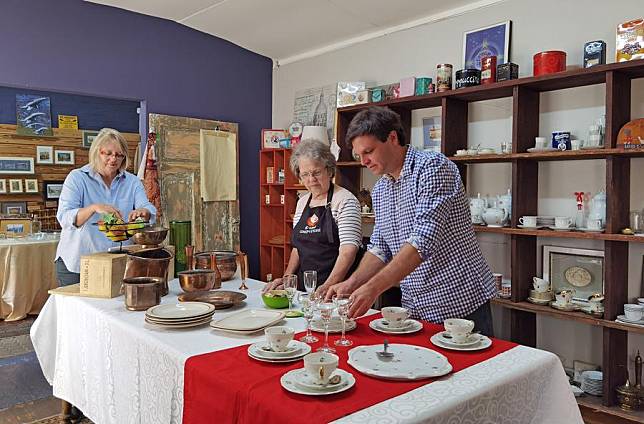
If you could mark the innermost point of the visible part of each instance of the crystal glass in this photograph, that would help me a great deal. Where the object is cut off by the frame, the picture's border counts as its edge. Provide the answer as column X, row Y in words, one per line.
column 308, row 302
column 326, row 312
column 343, row 303
column 290, row 285
column 310, row 281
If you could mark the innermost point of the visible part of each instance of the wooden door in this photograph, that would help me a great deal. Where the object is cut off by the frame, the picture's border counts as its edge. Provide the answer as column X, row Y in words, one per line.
column 215, row 225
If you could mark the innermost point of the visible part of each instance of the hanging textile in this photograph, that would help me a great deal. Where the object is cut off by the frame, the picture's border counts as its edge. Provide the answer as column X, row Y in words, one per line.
column 149, row 174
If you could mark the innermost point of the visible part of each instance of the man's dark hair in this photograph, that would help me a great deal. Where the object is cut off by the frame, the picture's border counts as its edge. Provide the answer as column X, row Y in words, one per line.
column 376, row 121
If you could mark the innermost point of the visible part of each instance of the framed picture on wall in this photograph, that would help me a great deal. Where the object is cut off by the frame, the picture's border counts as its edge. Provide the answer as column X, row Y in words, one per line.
column 14, row 208
column 271, row 138
column 15, row 226
column 3, row 185
column 64, row 157
column 15, row 186
column 16, row 165
column 52, row 189
column 44, row 155
column 493, row 40
column 571, row 268
column 88, row 138
column 31, row 186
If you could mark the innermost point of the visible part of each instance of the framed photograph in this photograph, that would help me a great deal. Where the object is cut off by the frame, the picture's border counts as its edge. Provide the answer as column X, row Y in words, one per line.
column 579, row 269
column 16, row 165
column 33, row 115
column 52, row 189
column 3, row 185
column 88, row 138
column 432, row 134
column 271, row 138
column 15, row 226
column 14, row 208
column 44, row 155
column 15, row 186
column 64, row 157
column 493, row 40
column 31, row 186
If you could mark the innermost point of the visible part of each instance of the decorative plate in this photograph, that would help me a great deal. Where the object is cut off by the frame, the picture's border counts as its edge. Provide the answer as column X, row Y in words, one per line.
column 408, row 362
column 578, row 276
column 248, row 320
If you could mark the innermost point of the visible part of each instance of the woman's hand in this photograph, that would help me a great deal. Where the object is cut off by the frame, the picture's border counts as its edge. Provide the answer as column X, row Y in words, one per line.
column 273, row 285
column 138, row 213
column 102, row 208
column 322, row 291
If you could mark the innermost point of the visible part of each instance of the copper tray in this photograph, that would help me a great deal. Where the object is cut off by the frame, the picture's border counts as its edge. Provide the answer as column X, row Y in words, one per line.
column 220, row 299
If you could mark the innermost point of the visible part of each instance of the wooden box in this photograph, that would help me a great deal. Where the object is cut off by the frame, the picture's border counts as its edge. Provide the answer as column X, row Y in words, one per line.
column 101, row 274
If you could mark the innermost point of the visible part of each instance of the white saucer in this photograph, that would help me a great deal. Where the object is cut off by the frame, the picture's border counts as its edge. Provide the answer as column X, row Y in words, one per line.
column 530, row 228
column 552, row 227
column 411, row 326
column 545, row 149
column 304, row 380
column 483, row 343
column 495, row 226
column 256, row 352
column 335, row 326
column 263, row 349
column 539, row 301
column 290, row 379
column 568, row 308
column 445, row 338
column 630, row 321
column 588, row 230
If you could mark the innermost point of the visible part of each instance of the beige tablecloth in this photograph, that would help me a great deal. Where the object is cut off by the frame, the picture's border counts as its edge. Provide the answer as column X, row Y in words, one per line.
column 27, row 271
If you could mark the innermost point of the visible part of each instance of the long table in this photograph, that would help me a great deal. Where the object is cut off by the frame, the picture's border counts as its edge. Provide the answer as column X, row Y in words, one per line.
column 117, row 369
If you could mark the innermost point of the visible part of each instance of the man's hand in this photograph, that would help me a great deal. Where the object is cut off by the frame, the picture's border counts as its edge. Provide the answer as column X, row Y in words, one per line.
column 345, row 287
column 363, row 298
column 139, row 213
column 273, row 285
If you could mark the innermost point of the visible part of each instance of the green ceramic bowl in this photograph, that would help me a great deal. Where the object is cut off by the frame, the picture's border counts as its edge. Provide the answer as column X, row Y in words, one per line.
column 275, row 299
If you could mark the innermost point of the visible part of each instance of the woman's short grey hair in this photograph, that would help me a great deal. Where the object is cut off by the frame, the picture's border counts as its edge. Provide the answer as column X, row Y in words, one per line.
column 315, row 150
column 107, row 135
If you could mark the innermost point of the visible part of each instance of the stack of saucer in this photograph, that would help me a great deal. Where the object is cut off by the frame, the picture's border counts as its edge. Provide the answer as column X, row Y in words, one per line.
column 545, row 221
column 301, row 382
column 295, row 350
column 591, row 382
column 180, row 315
column 540, row 298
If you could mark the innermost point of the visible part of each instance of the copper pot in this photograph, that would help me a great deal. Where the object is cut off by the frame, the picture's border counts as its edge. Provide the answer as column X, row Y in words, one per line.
column 150, row 236
column 149, row 263
column 199, row 279
column 142, row 293
column 226, row 262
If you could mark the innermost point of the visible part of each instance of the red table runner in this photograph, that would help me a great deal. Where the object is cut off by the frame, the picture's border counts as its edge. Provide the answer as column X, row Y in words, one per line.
column 229, row 386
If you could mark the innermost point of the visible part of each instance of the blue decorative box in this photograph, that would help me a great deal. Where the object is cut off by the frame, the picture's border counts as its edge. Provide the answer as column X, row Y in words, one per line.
column 422, row 86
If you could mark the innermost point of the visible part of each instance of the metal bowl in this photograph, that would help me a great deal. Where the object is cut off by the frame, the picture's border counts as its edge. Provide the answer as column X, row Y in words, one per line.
column 142, row 293
column 226, row 262
column 198, row 280
column 150, row 236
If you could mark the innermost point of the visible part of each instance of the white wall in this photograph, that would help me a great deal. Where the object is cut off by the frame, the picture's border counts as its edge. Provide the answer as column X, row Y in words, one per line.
column 536, row 26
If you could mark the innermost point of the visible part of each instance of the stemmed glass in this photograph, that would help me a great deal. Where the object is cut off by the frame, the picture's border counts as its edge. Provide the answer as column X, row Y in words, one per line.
column 343, row 303
column 310, row 281
column 326, row 311
column 308, row 302
column 290, row 285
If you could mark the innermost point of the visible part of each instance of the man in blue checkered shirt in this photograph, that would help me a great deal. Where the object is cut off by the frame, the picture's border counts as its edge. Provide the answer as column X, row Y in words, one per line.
column 423, row 236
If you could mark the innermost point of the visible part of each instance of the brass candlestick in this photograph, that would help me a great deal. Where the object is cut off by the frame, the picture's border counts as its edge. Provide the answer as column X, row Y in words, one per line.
column 243, row 266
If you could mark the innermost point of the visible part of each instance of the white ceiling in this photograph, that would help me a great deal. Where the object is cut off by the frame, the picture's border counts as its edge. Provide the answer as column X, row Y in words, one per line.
column 289, row 30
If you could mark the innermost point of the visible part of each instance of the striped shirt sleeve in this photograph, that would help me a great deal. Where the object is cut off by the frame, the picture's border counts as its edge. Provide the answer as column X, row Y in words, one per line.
column 349, row 222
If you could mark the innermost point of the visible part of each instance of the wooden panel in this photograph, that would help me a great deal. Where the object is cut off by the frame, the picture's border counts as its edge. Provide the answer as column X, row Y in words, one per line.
column 525, row 118
column 618, row 105
column 523, row 327
column 525, row 179
column 614, row 362
column 523, row 251
column 453, row 126
column 618, row 187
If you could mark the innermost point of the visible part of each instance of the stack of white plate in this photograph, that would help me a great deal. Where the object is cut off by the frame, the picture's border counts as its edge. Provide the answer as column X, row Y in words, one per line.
column 180, row 315
column 592, row 382
column 545, row 221
column 295, row 350
column 248, row 321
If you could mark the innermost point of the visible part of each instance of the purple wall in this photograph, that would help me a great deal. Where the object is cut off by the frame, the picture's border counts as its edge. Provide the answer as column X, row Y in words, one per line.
column 78, row 47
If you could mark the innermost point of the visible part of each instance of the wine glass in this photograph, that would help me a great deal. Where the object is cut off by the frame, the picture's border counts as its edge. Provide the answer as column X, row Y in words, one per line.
column 308, row 302
column 290, row 285
column 326, row 311
column 343, row 303
column 310, row 281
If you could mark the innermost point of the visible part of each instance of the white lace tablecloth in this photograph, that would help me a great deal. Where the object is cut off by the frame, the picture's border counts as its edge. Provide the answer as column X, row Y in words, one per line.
column 117, row 369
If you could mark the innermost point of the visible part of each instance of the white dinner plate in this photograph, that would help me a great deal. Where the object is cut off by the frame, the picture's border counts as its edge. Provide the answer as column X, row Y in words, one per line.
column 408, row 362
column 335, row 326
column 381, row 326
column 630, row 321
column 305, row 351
column 248, row 320
column 296, row 349
column 181, row 325
column 289, row 382
column 179, row 321
column 445, row 338
column 180, row 310
column 483, row 343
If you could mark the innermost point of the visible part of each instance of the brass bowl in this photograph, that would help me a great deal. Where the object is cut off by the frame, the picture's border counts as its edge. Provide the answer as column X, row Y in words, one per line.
column 150, row 236
column 198, row 280
column 226, row 262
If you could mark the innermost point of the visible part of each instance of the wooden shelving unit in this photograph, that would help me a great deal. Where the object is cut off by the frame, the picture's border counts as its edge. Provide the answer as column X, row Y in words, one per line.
column 525, row 95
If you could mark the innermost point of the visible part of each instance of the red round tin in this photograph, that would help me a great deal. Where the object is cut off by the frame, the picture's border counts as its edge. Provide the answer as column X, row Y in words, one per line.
column 548, row 62
column 488, row 69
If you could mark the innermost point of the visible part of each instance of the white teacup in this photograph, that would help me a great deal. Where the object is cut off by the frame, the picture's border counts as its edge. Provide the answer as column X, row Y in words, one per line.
column 594, row 224
column 320, row 366
column 563, row 221
column 459, row 328
column 576, row 144
column 540, row 143
column 279, row 337
column 540, row 285
column 634, row 312
column 564, row 297
column 528, row 221
column 395, row 316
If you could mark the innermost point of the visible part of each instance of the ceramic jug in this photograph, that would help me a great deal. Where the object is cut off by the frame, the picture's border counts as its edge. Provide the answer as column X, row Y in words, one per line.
column 598, row 207
column 477, row 206
column 504, row 201
column 495, row 217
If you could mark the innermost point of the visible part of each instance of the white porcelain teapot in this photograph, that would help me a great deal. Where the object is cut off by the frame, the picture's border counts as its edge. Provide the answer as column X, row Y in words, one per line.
column 598, row 207
column 504, row 201
column 495, row 217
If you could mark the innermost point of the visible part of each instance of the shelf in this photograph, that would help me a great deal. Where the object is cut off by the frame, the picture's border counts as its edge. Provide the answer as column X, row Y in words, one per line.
column 272, row 184
column 278, row 246
column 272, row 205
column 296, row 187
column 559, row 234
column 549, row 156
column 353, row 163
column 593, row 405
column 575, row 316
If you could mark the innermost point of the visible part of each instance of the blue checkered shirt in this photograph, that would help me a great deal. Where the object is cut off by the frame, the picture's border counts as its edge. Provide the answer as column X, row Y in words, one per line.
column 427, row 208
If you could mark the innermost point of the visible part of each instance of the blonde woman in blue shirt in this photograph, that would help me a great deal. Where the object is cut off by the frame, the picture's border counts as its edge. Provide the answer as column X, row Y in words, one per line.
column 100, row 187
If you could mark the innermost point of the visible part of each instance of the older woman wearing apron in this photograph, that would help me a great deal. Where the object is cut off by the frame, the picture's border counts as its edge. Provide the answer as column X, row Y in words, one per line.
column 327, row 232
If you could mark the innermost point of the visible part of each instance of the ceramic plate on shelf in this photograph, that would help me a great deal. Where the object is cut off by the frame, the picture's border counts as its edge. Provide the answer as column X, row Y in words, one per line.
column 335, row 326
column 530, row 228
column 538, row 301
column 545, row 149
column 408, row 362
column 630, row 321
column 248, row 320
column 382, row 326
column 483, row 343
column 588, row 230
column 297, row 381
column 180, row 310
column 495, row 226
column 568, row 308
column 552, row 227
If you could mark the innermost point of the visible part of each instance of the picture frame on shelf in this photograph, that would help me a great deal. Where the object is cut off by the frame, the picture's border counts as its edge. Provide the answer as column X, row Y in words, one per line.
column 15, row 226
column 16, row 165
column 64, row 157
column 52, row 189
column 271, row 138
column 88, row 138
column 579, row 269
column 432, row 134
column 15, row 186
column 492, row 40
column 13, row 208
column 45, row 155
column 3, row 185
column 31, row 185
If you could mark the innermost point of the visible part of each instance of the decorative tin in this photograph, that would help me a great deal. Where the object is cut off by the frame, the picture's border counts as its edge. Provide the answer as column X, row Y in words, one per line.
column 488, row 69
column 422, row 86
column 467, row 78
column 630, row 41
column 407, row 86
column 377, row 94
column 549, row 62
column 507, row 71
column 443, row 77
column 594, row 53
column 561, row 140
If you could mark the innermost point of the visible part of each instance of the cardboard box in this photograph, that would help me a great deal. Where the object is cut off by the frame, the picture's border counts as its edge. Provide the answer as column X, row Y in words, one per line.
column 101, row 274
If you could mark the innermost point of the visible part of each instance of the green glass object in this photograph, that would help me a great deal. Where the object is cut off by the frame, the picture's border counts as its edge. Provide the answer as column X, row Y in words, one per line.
column 180, row 237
